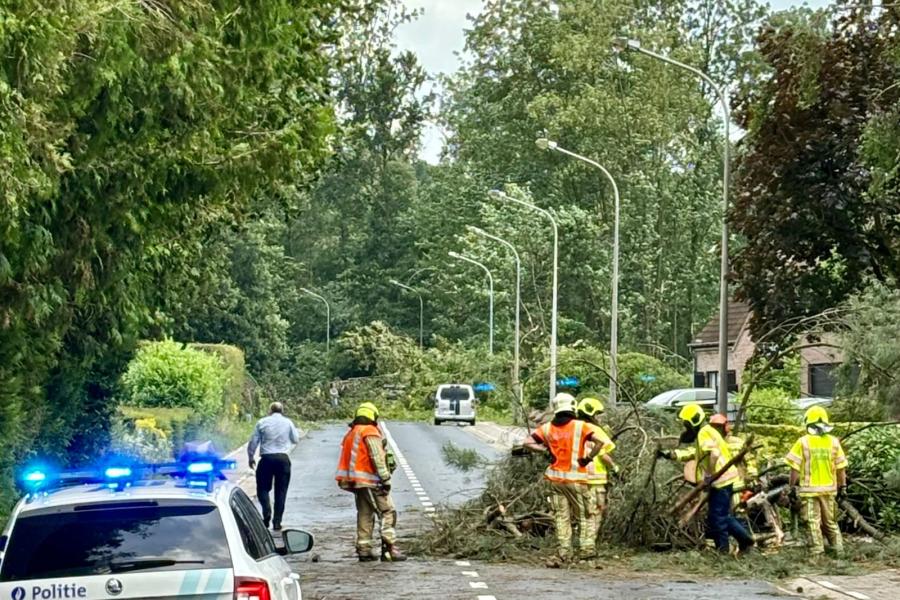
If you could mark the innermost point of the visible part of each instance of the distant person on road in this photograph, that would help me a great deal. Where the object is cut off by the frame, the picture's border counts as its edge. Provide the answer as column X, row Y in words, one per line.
column 363, row 470
column 589, row 411
column 819, row 467
column 275, row 436
column 565, row 438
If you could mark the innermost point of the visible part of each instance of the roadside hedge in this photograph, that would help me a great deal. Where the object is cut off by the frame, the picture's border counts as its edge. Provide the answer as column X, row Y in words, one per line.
column 168, row 374
column 236, row 399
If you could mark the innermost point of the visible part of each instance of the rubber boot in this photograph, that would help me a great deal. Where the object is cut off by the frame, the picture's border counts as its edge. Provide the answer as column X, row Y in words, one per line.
column 391, row 553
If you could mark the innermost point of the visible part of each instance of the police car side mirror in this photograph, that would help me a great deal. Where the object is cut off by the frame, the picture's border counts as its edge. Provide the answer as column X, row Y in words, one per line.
column 297, row 541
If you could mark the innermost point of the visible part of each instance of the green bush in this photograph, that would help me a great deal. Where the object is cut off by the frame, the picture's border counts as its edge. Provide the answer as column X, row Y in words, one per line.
column 236, row 398
column 874, row 456
column 167, row 374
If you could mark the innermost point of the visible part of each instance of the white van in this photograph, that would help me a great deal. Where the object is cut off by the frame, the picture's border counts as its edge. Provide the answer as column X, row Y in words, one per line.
column 454, row 402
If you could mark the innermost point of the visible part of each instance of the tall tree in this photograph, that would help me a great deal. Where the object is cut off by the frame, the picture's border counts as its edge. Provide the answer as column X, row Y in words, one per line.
column 817, row 185
column 129, row 131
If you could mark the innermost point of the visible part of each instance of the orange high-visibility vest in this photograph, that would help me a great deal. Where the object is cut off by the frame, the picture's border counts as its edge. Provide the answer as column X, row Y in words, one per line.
column 566, row 442
column 355, row 465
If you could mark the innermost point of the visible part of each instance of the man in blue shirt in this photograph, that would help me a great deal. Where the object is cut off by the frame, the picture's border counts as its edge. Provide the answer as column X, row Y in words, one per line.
column 275, row 436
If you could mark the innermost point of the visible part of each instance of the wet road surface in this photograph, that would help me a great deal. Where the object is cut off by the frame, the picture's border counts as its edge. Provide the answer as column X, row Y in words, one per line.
column 333, row 573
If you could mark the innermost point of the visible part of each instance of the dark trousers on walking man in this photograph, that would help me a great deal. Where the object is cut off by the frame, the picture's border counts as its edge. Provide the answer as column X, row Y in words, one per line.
column 273, row 469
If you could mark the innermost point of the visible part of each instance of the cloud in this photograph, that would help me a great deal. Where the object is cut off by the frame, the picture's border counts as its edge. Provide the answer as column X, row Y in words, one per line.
column 438, row 33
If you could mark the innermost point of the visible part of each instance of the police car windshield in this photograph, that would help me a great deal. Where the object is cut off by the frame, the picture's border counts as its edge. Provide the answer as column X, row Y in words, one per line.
column 97, row 542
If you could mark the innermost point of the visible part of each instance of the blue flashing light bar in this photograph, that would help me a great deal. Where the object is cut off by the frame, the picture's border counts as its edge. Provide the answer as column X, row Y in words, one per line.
column 198, row 472
column 117, row 472
column 200, row 468
column 35, row 477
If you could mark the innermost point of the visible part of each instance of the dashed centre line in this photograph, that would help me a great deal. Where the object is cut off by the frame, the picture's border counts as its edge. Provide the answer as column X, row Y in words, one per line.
column 429, row 507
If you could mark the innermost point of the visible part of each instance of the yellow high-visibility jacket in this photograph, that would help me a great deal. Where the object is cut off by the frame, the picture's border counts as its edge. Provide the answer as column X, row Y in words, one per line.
column 817, row 459
column 597, row 470
column 709, row 440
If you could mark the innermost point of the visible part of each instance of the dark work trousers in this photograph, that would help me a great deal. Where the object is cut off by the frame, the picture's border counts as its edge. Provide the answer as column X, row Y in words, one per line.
column 722, row 522
column 277, row 468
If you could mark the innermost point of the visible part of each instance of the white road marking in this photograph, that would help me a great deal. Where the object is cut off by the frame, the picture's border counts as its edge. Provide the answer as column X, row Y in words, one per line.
column 828, row 584
column 429, row 507
column 858, row 595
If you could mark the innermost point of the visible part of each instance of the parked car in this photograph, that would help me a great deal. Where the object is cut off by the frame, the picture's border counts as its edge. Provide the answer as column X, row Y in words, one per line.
column 804, row 404
column 454, row 402
column 705, row 397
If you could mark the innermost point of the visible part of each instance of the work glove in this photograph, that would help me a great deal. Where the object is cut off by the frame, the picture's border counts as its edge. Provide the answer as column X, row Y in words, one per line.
column 252, row 463
column 661, row 453
column 616, row 469
column 386, row 487
column 792, row 493
column 584, row 461
column 707, row 480
column 391, row 461
column 842, row 493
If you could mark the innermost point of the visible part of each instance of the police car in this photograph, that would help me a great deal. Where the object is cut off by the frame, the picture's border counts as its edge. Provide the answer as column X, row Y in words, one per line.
column 178, row 530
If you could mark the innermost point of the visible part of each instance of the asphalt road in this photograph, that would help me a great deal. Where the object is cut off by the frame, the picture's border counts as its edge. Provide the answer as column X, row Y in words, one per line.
column 316, row 503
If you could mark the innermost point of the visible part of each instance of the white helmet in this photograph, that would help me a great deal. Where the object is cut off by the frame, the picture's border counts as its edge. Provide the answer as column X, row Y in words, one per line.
column 563, row 402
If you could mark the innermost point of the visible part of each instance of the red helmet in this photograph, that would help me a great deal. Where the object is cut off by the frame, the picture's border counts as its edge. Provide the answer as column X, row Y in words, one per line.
column 718, row 419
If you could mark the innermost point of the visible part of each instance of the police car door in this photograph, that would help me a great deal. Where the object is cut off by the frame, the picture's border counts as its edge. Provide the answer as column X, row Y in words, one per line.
column 124, row 549
column 261, row 551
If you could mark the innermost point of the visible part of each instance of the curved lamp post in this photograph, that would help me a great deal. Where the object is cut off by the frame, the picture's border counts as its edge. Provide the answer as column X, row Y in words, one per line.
column 421, row 309
column 722, row 94
column 517, row 385
column 499, row 195
column 327, row 316
column 545, row 144
column 487, row 271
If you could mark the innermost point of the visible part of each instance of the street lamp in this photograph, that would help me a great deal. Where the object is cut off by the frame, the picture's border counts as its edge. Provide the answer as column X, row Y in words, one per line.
column 545, row 144
column 499, row 195
column 327, row 316
column 516, row 383
column 490, row 295
column 421, row 309
column 722, row 94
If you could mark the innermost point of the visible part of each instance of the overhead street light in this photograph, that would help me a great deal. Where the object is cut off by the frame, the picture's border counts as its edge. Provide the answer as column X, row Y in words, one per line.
column 545, row 144
column 490, row 295
column 421, row 310
column 517, row 384
column 327, row 316
column 499, row 195
column 722, row 95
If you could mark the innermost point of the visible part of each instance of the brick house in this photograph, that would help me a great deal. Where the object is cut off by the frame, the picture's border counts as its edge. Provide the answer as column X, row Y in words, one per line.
column 816, row 362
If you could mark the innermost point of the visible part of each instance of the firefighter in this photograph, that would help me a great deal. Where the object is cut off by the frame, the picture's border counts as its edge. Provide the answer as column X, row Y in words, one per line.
column 819, row 475
column 565, row 438
column 589, row 410
column 363, row 470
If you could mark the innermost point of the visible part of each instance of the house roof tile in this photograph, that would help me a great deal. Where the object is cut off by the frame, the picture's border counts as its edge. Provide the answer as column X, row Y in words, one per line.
column 738, row 312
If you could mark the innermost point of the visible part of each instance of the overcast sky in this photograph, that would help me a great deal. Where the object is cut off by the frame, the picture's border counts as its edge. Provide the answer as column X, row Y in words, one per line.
column 438, row 34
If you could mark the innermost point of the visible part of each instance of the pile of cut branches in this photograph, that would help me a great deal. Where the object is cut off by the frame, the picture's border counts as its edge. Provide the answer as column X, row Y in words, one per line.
column 512, row 516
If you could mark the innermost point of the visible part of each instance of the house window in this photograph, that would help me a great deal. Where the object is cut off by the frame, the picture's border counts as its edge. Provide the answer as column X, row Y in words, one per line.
column 712, row 380
column 821, row 379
